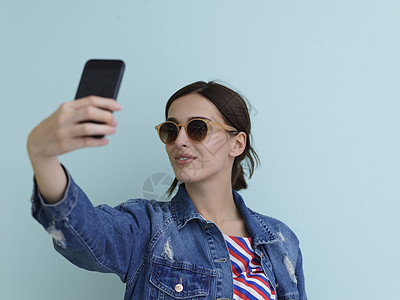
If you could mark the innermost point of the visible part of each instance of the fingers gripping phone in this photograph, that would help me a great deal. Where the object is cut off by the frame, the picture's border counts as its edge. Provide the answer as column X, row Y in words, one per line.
column 101, row 77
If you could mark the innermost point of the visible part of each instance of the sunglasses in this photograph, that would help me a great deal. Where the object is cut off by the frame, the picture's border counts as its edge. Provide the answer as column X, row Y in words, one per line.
column 196, row 130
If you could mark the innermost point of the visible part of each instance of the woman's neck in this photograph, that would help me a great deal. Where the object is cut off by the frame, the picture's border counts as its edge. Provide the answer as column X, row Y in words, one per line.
column 214, row 202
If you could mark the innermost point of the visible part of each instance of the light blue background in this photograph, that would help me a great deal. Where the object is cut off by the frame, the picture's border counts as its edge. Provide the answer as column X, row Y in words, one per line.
column 323, row 81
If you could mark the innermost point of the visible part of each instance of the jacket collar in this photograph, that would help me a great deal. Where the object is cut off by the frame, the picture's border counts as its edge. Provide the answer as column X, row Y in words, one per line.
column 182, row 207
column 183, row 210
column 259, row 230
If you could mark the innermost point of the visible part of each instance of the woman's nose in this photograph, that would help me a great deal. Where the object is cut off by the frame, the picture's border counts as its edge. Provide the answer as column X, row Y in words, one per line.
column 182, row 139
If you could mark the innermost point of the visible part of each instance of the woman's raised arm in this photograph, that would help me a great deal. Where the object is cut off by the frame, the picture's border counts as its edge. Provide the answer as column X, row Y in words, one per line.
column 64, row 131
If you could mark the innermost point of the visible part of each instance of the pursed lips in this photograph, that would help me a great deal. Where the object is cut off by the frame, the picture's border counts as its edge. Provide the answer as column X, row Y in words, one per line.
column 183, row 159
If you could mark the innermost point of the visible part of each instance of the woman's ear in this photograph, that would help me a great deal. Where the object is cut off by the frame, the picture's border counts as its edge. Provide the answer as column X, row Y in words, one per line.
column 238, row 144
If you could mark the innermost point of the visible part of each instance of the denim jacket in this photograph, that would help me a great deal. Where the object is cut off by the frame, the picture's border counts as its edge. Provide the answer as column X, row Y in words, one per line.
column 154, row 246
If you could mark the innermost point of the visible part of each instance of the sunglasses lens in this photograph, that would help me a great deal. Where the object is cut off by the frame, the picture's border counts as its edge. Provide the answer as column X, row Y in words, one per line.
column 197, row 130
column 168, row 133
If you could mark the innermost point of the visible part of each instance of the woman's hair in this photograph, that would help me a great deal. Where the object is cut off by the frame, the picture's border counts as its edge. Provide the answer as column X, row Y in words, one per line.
column 235, row 113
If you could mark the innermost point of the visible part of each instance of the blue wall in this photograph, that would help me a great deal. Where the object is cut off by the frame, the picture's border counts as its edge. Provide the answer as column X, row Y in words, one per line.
column 323, row 81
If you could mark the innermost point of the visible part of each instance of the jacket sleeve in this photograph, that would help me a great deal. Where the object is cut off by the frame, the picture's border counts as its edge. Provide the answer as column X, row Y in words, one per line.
column 94, row 238
column 300, row 277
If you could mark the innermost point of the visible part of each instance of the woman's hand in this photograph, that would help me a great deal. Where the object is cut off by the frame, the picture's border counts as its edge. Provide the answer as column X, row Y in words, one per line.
column 66, row 130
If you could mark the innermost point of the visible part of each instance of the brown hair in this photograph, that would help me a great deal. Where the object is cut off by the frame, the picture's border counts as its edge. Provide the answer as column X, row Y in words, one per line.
column 235, row 113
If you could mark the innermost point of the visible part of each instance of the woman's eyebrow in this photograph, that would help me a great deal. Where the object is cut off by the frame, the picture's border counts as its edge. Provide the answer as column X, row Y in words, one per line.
column 190, row 118
column 172, row 119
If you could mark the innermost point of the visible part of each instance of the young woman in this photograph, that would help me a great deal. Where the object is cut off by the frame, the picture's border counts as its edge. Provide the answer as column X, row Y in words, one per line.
column 203, row 244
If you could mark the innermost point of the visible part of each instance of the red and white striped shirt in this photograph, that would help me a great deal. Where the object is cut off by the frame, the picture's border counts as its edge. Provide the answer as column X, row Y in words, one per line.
column 249, row 280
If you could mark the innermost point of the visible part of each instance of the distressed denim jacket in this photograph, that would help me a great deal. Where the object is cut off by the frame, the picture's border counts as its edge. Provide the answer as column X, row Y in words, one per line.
column 157, row 248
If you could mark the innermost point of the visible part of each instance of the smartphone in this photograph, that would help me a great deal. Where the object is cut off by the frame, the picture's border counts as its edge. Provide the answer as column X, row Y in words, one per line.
column 101, row 77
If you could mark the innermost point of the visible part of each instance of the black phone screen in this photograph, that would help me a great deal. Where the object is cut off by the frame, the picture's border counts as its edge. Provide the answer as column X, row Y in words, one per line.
column 101, row 78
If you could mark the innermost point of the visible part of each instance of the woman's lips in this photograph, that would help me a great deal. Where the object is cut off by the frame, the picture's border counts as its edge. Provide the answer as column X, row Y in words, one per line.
column 184, row 159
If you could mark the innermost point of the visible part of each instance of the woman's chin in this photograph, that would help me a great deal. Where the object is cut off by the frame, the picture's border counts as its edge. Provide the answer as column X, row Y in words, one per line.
column 185, row 177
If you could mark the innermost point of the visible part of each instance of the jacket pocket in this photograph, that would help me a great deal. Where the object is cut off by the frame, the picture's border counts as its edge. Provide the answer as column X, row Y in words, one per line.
column 181, row 281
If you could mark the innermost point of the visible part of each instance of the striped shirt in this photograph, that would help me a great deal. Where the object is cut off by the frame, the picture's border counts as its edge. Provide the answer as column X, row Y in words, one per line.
column 249, row 280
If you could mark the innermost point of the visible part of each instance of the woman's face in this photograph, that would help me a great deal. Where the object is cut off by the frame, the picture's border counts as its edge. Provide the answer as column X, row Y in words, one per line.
column 209, row 160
